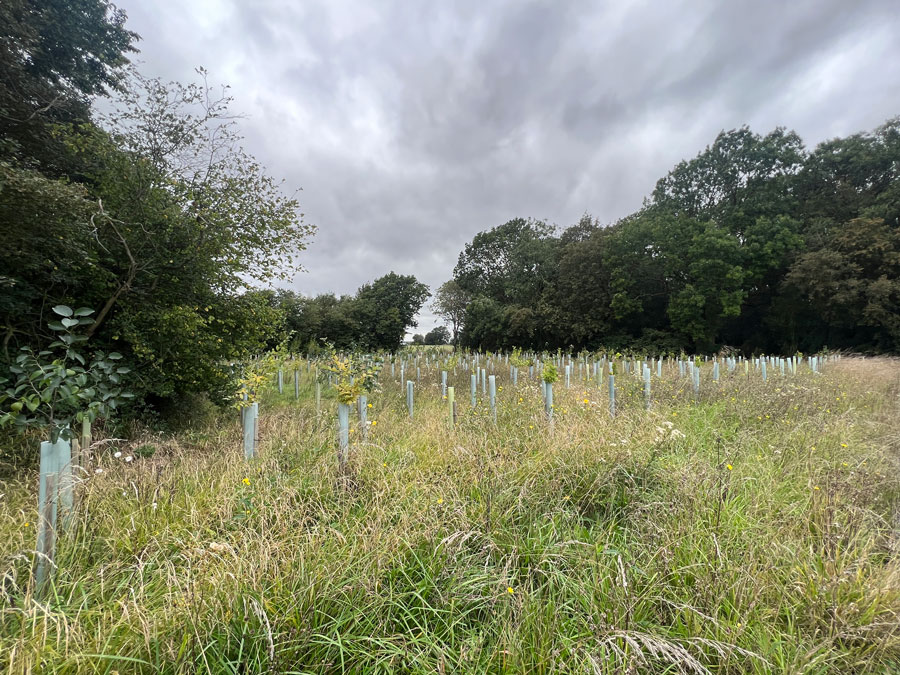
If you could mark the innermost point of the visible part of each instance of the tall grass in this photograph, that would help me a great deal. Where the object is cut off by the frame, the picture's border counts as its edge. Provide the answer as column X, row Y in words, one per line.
column 751, row 531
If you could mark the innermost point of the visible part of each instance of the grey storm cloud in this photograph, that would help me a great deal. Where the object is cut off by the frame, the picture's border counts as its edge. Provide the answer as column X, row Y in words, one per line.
column 412, row 126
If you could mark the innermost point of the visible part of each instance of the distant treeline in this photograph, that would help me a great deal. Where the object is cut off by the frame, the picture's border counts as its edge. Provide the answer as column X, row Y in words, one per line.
column 374, row 319
column 755, row 243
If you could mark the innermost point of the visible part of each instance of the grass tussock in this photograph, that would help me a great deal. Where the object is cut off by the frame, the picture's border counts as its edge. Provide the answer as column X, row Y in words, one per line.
column 750, row 531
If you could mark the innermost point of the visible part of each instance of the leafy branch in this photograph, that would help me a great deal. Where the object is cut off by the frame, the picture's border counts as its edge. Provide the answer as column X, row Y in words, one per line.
column 50, row 392
column 354, row 375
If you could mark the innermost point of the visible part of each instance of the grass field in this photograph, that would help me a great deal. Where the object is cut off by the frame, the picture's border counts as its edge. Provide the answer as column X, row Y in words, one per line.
column 752, row 531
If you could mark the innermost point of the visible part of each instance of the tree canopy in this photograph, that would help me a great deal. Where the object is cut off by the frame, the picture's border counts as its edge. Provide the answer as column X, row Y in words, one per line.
column 450, row 302
column 756, row 243
column 151, row 214
column 376, row 318
column 439, row 335
column 55, row 55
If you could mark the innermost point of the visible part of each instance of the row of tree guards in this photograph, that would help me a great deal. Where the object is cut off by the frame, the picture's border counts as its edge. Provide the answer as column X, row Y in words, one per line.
column 59, row 464
column 546, row 367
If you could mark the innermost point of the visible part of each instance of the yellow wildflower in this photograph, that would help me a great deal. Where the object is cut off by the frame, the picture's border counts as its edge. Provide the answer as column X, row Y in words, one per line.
column 246, row 481
column 729, row 467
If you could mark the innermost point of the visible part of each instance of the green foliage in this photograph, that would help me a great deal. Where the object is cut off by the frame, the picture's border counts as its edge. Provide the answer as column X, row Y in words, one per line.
column 386, row 308
column 310, row 320
column 50, row 392
column 516, row 358
column 728, row 251
column 485, row 325
column 450, row 302
column 353, row 375
column 549, row 373
column 579, row 306
column 257, row 373
column 145, row 451
column 235, row 218
column 854, row 282
column 160, row 221
column 437, row 336
column 375, row 319
column 510, row 263
column 54, row 56
column 737, row 179
column 184, row 348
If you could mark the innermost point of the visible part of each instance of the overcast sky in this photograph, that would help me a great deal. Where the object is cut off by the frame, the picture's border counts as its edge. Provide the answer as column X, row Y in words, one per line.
column 411, row 126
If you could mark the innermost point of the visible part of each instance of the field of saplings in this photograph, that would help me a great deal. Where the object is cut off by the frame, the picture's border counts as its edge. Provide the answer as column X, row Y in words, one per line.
column 438, row 512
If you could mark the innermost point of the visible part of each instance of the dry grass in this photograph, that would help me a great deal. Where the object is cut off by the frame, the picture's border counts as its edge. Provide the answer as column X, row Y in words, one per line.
column 752, row 531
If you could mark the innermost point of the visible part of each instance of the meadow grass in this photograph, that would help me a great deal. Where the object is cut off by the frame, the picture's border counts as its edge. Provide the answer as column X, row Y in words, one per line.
column 750, row 531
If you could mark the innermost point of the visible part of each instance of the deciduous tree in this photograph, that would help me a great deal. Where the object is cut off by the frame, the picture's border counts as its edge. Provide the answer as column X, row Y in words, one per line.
column 450, row 302
column 386, row 309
